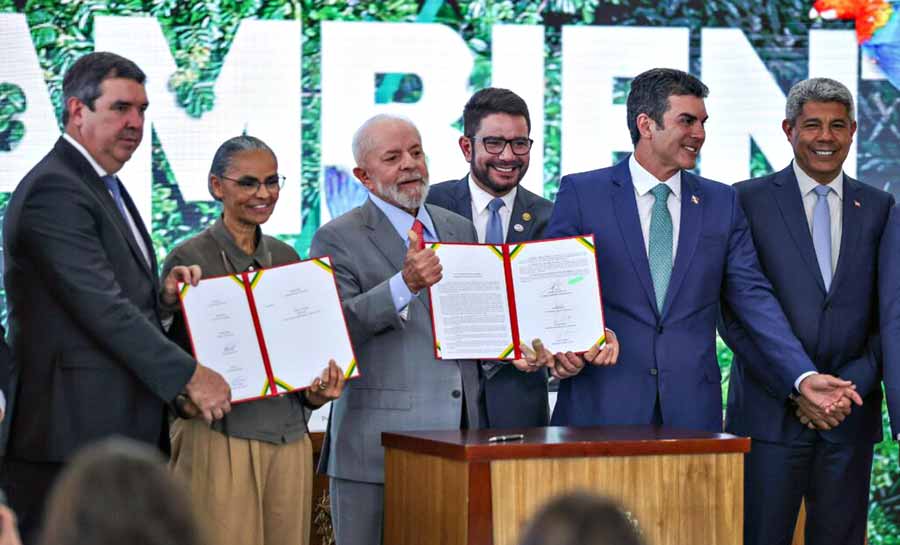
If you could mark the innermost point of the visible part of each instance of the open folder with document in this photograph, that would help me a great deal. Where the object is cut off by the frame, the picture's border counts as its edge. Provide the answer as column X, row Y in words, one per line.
column 492, row 297
column 269, row 331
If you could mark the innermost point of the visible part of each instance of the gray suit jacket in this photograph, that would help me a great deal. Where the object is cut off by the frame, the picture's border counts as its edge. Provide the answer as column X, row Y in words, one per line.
column 402, row 386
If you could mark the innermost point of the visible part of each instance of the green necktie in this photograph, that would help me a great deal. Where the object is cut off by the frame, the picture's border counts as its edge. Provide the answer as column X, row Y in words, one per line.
column 660, row 252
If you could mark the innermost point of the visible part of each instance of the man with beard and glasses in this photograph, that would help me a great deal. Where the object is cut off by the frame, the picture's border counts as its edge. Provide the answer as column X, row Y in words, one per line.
column 497, row 146
column 383, row 271
column 670, row 247
column 816, row 232
column 84, row 297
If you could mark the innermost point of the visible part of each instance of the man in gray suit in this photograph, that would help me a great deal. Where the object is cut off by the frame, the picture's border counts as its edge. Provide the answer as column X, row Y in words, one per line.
column 383, row 272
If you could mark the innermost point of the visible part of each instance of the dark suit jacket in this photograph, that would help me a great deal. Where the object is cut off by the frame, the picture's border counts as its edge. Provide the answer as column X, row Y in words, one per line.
column 838, row 328
column 92, row 357
column 668, row 355
column 513, row 399
column 889, row 302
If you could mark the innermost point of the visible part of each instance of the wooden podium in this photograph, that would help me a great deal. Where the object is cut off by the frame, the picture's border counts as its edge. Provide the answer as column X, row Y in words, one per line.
column 457, row 487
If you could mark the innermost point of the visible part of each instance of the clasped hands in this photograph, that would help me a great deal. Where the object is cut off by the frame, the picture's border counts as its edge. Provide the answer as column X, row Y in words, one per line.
column 825, row 401
column 567, row 364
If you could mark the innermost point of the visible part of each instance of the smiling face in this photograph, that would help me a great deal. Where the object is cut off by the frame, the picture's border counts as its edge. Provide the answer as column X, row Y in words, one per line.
column 113, row 129
column 821, row 137
column 497, row 173
column 675, row 145
column 242, row 207
column 393, row 167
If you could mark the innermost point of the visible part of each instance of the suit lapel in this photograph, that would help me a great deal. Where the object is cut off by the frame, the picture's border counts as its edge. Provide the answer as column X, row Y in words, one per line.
column 142, row 229
column 96, row 186
column 521, row 205
column 626, row 212
column 463, row 198
column 851, row 220
column 383, row 235
column 688, row 234
column 790, row 203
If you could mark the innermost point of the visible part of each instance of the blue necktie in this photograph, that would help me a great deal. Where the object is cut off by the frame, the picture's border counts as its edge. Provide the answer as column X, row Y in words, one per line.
column 494, row 232
column 112, row 184
column 821, row 232
column 660, row 244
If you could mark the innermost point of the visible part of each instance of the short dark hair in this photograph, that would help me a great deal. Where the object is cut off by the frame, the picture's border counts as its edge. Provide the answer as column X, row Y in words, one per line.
column 650, row 92
column 116, row 492
column 581, row 518
column 83, row 79
column 492, row 100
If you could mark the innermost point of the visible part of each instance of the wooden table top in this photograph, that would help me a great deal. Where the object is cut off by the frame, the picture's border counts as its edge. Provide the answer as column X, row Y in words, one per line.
column 564, row 442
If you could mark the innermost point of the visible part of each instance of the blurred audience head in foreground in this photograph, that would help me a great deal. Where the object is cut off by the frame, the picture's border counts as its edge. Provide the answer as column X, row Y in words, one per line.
column 119, row 492
column 581, row 518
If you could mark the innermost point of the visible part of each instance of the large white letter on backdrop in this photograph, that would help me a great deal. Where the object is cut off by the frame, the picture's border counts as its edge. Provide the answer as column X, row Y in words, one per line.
column 21, row 67
column 257, row 92
column 354, row 52
column 745, row 100
column 593, row 128
column 517, row 64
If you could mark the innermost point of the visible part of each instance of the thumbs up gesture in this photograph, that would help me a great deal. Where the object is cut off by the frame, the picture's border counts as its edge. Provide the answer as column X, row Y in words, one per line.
column 421, row 267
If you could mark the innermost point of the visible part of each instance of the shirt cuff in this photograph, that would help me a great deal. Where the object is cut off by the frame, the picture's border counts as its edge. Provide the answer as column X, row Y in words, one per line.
column 400, row 292
column 2, row 402
column 801, row 377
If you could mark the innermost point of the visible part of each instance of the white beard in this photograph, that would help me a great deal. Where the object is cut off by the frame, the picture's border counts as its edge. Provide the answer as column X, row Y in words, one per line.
column 393, row 195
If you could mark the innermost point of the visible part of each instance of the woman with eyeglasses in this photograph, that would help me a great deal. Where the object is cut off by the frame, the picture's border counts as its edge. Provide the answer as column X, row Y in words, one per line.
column 250, row 474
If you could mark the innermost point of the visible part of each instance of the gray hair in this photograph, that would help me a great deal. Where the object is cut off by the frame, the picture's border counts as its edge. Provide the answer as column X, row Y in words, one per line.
column 364, row 140
column 817, row 90
column 228, row 149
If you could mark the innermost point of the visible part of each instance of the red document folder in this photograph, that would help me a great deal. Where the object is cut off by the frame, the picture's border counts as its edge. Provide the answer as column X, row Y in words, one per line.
column 508, row 254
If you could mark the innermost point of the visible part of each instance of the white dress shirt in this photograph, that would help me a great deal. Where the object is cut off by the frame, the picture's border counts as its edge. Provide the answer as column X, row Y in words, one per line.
column 835, row 208
column 481, row 214
column 643, row 182
column 102, row 172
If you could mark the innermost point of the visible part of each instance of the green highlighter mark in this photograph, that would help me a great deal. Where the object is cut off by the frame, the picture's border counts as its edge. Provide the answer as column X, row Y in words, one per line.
column 575, row 279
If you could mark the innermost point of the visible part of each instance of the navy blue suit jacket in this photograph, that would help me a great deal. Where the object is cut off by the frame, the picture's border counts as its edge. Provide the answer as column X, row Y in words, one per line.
column 889, row 299
column 838, row 328
column 513, row 399
column 670, row 355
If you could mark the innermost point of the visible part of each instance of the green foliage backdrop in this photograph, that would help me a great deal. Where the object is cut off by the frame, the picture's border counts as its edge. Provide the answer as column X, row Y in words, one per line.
column 200, row 32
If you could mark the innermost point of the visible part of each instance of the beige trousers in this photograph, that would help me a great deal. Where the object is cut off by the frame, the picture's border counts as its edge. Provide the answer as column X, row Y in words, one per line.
column 246, row 492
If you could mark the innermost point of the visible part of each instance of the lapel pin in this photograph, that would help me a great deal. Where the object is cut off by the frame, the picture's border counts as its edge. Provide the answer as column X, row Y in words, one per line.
column 526, row 216
column 695, row 199
column 856, row 204
column 518, row 228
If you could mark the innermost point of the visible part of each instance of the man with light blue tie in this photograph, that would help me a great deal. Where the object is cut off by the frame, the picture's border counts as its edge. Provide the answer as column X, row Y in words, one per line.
column 817, row 233
column 672, row 246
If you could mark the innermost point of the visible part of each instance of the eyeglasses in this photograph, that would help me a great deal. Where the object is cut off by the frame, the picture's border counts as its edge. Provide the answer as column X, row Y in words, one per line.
column 250, row 185
column 495, row 145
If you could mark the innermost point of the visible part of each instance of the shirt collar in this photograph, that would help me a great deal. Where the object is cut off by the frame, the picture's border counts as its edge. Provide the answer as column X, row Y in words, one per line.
column 644, row 181
column 77, row 145
column 481, row 198
column 403, row 220
column 807, row 184
column 261, row 257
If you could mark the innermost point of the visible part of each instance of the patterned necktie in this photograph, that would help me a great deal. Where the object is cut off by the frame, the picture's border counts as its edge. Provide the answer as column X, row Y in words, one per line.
column 821, row 231
column 112, row 184
column 419, row 230
column 660, row 246
column 494, row 232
